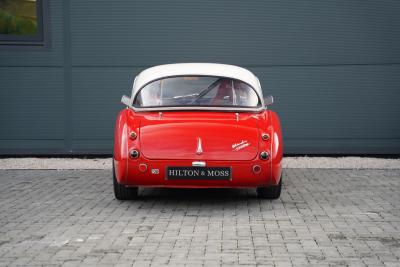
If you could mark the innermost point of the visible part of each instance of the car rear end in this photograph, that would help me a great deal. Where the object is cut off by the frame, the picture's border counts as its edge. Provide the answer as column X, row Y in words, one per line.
column 197, row 125
column 197, row 149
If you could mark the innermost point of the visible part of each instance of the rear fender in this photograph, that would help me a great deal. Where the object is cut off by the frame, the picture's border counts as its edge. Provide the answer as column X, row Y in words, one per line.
column 276, row 147
column 121, row 144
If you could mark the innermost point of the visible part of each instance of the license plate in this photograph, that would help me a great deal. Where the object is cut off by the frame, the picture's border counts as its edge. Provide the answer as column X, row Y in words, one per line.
column 199, row 173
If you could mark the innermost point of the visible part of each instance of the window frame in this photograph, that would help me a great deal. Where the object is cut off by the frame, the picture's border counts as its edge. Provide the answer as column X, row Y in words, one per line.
column 39, row 39
column 134, row 98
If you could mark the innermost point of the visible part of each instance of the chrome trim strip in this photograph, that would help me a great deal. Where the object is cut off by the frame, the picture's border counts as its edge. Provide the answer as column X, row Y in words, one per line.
column 198, row 163
column 230, row 109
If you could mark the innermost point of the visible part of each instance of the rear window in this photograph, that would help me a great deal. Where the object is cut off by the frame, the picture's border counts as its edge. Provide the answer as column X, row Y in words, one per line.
column 197, row 91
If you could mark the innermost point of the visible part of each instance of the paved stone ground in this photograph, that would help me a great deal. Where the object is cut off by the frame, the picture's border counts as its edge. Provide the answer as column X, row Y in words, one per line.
column 324, row 218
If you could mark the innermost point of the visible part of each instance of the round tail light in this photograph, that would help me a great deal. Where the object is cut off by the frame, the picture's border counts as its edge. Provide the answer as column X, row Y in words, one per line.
column 265, row 136
column 133, row 135
column 134, row 154
column 143, row 167
column 264, row 155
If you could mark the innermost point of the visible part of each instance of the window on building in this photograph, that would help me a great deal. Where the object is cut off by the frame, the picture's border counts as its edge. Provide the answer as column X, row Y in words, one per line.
column 21, row 22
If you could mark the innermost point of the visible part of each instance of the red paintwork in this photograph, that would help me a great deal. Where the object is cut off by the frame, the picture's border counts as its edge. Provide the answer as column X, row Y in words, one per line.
column 177, row 132
column 171, row 140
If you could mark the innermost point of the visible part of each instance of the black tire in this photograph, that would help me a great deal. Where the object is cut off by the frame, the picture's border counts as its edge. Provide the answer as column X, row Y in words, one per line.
column 122, row 192
column 270, row 192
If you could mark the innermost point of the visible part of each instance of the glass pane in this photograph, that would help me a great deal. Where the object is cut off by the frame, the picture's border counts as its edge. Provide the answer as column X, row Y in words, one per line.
column 197, row 91
column 18, row 17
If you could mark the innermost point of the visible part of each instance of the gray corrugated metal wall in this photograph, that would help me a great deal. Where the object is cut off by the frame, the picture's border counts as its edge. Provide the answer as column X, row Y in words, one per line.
column 333, row 67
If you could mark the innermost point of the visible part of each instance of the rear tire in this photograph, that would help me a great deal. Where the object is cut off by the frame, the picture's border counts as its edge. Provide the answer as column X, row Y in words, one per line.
column 122, row 192
column 270, row 192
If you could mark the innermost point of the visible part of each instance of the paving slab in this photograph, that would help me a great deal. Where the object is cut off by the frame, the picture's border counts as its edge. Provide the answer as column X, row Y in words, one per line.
column 325, row 217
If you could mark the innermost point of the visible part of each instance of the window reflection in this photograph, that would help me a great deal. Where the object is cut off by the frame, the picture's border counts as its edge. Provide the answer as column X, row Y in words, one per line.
column 197, row 91
column 18, row 17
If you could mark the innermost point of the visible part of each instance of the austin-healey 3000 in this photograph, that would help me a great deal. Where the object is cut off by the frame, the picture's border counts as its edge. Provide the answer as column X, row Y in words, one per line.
column 197, row 125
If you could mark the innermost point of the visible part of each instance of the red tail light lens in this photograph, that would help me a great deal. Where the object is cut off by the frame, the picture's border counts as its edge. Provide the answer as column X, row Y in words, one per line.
column 256, row 169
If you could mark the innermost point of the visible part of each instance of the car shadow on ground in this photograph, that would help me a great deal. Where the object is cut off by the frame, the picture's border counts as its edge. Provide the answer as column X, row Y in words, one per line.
column 206, row 194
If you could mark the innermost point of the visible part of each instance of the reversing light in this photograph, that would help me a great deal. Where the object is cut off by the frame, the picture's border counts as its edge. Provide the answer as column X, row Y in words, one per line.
column 265, row 136
column 134, row 154
column 264, row 155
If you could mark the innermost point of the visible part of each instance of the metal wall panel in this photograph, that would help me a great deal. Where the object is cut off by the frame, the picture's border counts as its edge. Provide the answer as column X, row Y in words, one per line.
column 336, row 109
column 333, row 67
column 96, row 95
column 32, row 109
column 32, row 93
column 141, row 33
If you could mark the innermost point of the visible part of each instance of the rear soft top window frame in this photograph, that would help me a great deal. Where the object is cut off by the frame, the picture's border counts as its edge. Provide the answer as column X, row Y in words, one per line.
column 134, row 98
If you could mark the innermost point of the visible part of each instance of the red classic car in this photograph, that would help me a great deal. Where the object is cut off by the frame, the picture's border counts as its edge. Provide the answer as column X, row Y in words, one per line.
column 197, row 125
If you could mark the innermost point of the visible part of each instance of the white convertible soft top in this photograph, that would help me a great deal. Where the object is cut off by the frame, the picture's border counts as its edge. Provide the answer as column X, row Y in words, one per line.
column 204, row 69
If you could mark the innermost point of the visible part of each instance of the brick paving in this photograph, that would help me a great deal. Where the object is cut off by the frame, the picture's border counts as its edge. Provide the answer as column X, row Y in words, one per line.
column 323, row 218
